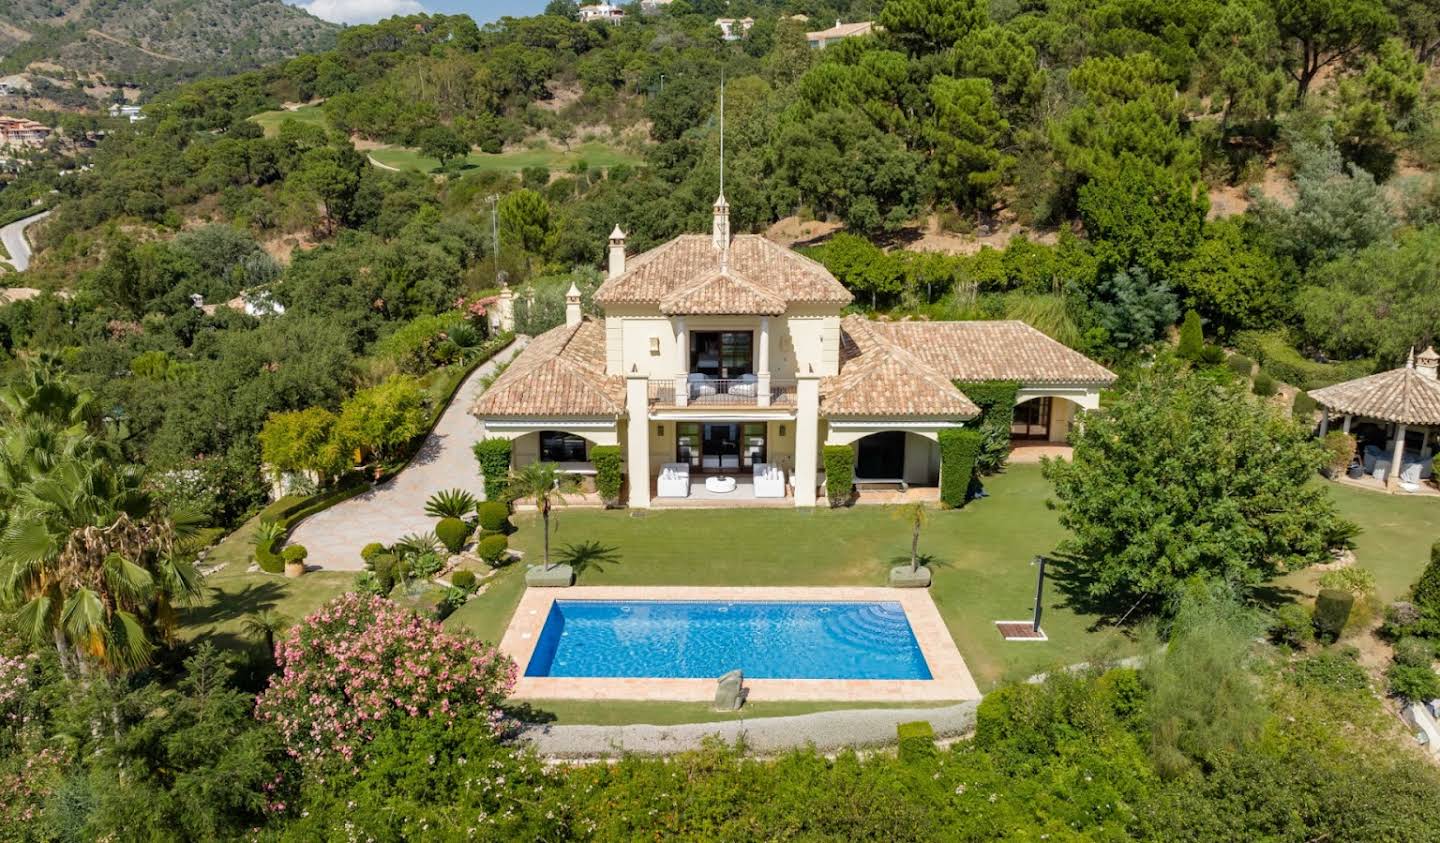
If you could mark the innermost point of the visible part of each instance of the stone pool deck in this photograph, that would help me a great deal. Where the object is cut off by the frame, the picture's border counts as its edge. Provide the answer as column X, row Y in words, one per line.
column 951, row 678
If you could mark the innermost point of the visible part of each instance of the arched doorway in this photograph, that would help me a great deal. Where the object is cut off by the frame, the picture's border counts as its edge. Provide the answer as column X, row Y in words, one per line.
column 893, row 456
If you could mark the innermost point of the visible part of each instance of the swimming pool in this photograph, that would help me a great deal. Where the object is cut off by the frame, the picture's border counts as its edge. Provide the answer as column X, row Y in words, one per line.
column 704, row 639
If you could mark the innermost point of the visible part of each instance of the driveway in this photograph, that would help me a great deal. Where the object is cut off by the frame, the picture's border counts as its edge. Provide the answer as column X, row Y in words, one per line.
column 13, row 236
column 396, row 507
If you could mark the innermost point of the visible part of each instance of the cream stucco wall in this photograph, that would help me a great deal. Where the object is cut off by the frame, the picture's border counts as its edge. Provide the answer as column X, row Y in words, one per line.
column 643, row 341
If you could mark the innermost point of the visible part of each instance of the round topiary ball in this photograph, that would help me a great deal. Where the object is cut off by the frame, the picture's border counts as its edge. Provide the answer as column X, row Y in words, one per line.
column 452, row 533
column 294, row 553
column 494, row 516
column 370, row 551
column 463, row 580
column 491, row 548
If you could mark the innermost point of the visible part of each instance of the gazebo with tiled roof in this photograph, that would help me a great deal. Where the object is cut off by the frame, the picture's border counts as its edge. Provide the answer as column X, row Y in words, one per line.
column 1404, row 400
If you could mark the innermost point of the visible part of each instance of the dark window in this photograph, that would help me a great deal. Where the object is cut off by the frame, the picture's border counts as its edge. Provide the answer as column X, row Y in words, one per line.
column 722, row 354
column 881, row 456
column 558, row 446
column 1032, row 420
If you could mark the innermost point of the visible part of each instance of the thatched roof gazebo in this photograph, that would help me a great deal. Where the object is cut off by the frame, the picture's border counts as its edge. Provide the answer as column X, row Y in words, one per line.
column 1403, row 401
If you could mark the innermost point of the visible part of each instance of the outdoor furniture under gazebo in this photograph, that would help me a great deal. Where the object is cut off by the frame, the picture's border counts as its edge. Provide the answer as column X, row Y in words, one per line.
column 1402, row 401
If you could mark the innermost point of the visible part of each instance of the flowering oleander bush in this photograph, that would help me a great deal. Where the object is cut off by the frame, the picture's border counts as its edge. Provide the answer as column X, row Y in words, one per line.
column 361, row 662
column 16, row 676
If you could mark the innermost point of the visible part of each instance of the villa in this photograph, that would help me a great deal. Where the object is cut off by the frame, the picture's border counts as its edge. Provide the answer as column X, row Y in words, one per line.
column 839, row 32
column 724, row 364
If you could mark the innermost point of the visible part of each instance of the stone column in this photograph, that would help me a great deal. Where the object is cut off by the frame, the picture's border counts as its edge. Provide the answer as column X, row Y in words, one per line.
column 637, row 438
column 1345, row 425
column 762, row 385
column 1324, row 422
column 1392, row 479
column 807, row 438
column 682, row 365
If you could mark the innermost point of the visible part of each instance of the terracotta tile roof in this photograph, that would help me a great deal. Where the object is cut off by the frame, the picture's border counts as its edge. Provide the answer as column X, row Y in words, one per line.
column 723, row 294
column 691, row 259
column 880, row 378
column 993, row 350
column 560, row 373
column 1406, row 396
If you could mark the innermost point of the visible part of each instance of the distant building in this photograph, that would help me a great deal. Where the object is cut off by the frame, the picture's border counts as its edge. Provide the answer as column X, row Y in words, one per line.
column 733, row 29
column 840, row 31
column 20, row 133
column 654, row 7
column 603, row 11
column 133, row 113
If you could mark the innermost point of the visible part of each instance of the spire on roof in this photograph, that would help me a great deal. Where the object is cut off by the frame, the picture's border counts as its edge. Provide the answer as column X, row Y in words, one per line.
column 720, row 230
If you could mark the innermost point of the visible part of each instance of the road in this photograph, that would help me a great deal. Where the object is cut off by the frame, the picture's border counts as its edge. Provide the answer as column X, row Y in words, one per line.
column 396, row 507
column 13, row 236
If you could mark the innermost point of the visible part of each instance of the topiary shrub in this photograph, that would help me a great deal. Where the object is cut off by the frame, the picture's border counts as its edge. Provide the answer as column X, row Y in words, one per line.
column 492, row 548
column 493, row 455
column 959, row 452
column 294, row 553
column 1264, row 385
column 464, row 580
column 917, row 741
column 1416, row 684
column 452, row 533
column 370, row 551
column 1332, row 611
column 494, row 517
column 839, row 473
column 1303, row 407
column 1192, row 337
column 386, row 568
column 1241, row 365
column 1339, row 452
column 1426, row 593
column 266, row 539
column 1414, row 652
column 1292, row 627
column 608, row 472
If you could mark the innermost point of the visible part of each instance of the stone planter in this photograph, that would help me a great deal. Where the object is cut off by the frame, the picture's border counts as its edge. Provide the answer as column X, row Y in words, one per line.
column 294, row 569
column 903, row 577
column 559, row 576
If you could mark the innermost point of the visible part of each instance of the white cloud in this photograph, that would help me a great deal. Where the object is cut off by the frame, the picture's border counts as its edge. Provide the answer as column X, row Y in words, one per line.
column 360, row 11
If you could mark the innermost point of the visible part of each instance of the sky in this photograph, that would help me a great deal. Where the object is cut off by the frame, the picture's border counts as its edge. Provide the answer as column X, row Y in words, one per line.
column 369, row 11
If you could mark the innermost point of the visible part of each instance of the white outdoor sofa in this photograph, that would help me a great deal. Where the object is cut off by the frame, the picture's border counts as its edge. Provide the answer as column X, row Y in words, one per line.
column 674, row 480
column 769, row 481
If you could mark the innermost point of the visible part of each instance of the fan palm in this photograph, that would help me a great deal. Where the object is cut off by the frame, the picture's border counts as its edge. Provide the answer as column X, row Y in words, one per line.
column 546, row 484
column 451, row 503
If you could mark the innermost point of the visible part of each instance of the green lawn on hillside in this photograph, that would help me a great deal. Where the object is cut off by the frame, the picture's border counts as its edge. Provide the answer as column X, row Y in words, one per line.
column 597, row 155
column 270, row 120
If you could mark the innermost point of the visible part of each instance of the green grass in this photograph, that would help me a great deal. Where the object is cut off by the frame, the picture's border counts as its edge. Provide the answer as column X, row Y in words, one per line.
column 597, row 155
column 982, row 565
column 270, row 120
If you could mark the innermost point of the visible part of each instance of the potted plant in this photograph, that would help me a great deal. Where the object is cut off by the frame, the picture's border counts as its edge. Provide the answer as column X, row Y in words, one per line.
column 294, row 556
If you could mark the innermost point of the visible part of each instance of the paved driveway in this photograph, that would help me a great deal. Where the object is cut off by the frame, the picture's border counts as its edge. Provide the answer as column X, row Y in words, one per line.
column 13, row 236
column 396, row 507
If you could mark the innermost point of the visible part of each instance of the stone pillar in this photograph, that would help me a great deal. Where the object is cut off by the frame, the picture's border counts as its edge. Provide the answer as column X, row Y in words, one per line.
column 807, row 438
column 1345, row 426
column 1392, row 479
column 682, row 365
column 637, row 438
column 762, row 385
column 506, row 308
column 1324, row 422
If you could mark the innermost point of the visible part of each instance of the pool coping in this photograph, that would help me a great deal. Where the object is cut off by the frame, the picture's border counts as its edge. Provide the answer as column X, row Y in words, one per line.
column 950, row 677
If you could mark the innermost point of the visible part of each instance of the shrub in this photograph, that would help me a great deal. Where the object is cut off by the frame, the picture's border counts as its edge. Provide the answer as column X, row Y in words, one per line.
column 1241, row 365
column 1414, row 652
column 494, row 516
column 1292, row 626
column 1332, row 610
column 839, row 473
column 1426, row 593
column 463, row 580
column 1284, row 363
column 1335, row 669
column 1212, row 355
column 608, row 472
column 386, row 568
column 425, row 565
column 1416, row 684
column 328, row 698
column 959, row 452
column 1339, row 451
column 1303, row 407
column 996, row 400
column 370, row 551
column 492, row 548
column 452, row 533
column 917, row 741
column 267, row 537
column 450, row 503
column 1354, row 580
column 1401, row 618
column 493, row 455
column 1192, row 337
column 1264, row 385
column 294, row 553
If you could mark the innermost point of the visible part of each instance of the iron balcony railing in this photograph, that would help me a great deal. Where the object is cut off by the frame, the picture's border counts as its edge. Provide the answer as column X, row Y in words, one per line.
column 692, row 391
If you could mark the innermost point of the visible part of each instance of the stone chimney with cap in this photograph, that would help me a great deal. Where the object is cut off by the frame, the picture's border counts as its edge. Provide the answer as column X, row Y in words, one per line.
column 720, row 231
column 617, row 253
column 572, row 306
column 1428, row 363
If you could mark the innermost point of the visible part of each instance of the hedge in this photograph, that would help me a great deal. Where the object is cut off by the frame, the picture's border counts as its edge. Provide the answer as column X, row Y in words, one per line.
column 1285, row 364
column 1332, row 611
column 491, row 548
column 293, row 513
column 494, row 516
column 839, row 473
column 959, row 452
column 917, row 741
column 493, row 455
column 996, row 400
column 608, row 471
column 452, row 533
column 463, row 580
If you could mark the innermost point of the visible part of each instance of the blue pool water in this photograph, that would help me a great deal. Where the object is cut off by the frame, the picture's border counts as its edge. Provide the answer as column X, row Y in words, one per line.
column 688, row 639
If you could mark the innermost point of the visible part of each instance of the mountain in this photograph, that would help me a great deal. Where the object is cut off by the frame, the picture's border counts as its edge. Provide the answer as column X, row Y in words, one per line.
column 147, row 43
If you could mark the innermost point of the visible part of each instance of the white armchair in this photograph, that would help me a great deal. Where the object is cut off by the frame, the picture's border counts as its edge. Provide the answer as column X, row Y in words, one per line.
column 745, row 386
column 769, row 481
column 674, row 480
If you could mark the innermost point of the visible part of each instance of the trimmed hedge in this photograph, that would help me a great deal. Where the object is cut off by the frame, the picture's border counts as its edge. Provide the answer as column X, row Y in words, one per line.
column 370, row 551
column 267, row 557
column 464, row 580
column 494, row 516
column 294, row 553
column 1285, row 364
column 917, row 741
column 959, row 453
column 493, row 455
column 839, row 473
column 491, row 548
column 608, row 472
column 386, row 568
column 1332, row 611
column 996, row 400
column 452, row 533
column 1192, row 337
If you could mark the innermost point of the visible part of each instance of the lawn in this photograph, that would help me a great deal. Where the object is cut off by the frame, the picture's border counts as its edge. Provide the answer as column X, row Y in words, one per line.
column 270, row 120
column 597, row 155
column 982, row 554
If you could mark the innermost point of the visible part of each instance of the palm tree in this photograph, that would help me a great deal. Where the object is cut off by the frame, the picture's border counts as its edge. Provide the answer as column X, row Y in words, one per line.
column 546, row 484
column 916, row 515
column 451, row 503
column 264, row 627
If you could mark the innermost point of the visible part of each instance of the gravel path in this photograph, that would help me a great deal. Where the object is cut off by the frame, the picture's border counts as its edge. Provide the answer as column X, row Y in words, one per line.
column 827, row 731
column 396, row 507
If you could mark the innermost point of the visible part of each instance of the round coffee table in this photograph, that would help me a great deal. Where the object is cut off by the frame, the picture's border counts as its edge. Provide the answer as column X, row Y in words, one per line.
column 720, row 484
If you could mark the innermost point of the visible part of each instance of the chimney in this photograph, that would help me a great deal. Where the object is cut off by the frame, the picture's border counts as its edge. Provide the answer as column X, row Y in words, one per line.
column 572, row 306
column 720, row 232
column 505, row 308
column 617, row 252
column 1428, row 363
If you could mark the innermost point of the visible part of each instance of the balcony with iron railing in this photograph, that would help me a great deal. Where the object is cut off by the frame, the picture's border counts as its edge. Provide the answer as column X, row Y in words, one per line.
column 696, row 390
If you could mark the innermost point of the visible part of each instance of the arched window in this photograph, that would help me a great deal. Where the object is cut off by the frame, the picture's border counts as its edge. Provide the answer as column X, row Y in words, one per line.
column 559, row 446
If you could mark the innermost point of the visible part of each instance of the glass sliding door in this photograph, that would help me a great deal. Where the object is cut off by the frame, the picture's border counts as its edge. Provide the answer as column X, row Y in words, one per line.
column 721, row 447
column 687, row 444
column 1032, row 420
